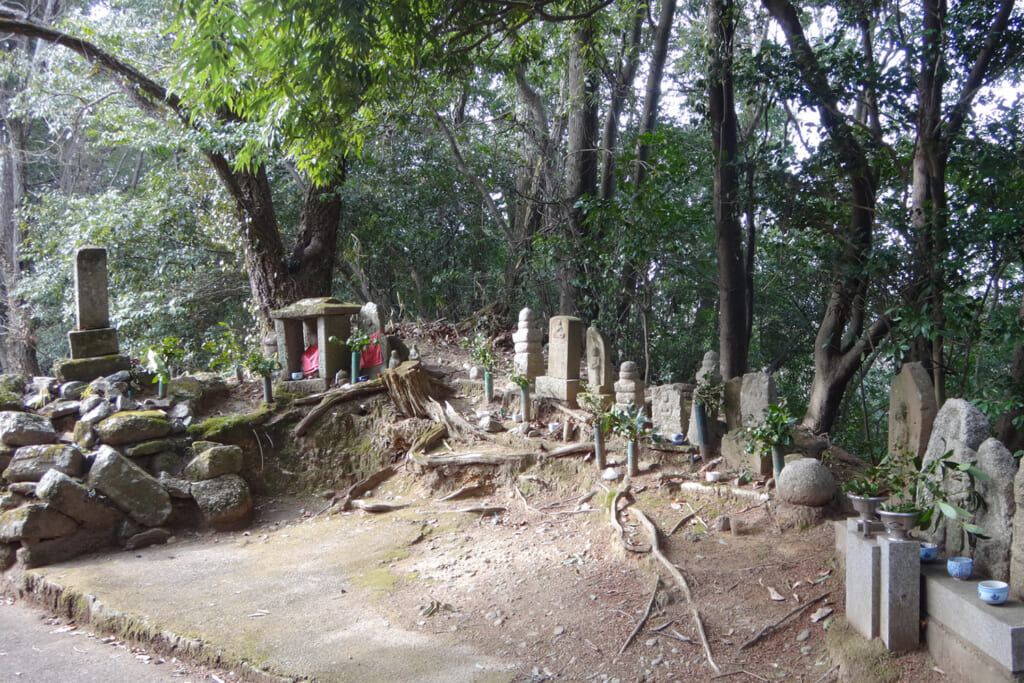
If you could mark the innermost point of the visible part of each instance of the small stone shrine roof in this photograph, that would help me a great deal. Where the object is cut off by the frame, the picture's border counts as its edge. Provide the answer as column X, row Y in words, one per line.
column 318, row 307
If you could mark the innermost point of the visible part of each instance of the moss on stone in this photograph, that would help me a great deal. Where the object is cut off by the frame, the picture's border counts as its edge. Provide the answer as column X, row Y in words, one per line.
column 219, row 428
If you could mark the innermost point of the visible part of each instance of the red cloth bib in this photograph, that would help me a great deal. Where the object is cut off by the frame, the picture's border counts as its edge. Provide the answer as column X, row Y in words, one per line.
column 311, row 361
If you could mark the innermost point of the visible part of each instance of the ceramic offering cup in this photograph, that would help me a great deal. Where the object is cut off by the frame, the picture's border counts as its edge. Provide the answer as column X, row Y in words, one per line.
column 296, row 375
column 993, row 592
column 960, row 567
column 712, row 477
column 929, row 551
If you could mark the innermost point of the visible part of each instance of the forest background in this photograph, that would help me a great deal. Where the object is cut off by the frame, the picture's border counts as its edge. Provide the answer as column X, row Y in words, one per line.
column 825, row 190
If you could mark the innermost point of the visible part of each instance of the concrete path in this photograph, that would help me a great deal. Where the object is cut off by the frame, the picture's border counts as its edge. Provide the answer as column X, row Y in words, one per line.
column 33, row 649
column 302, row 600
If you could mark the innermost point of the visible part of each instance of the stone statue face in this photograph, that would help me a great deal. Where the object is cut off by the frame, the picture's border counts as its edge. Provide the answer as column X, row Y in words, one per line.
column 558, row 330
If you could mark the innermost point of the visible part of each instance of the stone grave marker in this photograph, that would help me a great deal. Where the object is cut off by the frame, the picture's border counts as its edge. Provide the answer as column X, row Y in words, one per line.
column 94, row 344
column 912, row 410
column 668, row 409
column 565, row 342
column 599, row 368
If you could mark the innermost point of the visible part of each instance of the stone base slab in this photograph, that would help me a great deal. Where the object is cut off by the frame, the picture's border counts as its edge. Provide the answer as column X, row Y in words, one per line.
column 93, row 343
column 995, row 632
column 301, row 386
column 88, row 369
column 555, row 387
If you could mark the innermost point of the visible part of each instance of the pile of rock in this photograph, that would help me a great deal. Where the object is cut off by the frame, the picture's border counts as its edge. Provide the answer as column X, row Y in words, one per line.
column 85, row 467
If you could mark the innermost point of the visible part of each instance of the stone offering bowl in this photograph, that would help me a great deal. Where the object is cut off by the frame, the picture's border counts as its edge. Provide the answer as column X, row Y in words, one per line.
column 929, row 551
column 993, row 592
column 960, row 567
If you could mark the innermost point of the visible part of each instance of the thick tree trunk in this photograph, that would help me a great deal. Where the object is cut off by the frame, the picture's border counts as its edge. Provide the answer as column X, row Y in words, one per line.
column 842, row 339
column 936, row 131
column 1011, row 436
column 581, row 164
column 622, row 83
column 732, row 296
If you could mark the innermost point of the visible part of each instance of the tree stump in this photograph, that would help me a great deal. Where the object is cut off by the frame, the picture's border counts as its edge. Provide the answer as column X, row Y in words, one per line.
column 411, row 387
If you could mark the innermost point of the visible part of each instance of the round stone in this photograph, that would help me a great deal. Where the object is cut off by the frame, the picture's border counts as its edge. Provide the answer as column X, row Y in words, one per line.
column 806, row 482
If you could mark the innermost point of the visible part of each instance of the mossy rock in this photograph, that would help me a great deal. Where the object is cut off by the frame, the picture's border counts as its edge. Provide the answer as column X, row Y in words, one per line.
column 199, row 390
column 12, row 384
column 133, row 426
column 227, row 427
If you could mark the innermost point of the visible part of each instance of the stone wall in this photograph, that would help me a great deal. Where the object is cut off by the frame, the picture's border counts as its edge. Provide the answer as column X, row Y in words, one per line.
column 85, row 467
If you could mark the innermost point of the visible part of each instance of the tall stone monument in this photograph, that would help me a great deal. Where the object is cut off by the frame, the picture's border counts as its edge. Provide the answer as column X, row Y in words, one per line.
column 93, row 342
column 565, row 342
column 528, row 359
column 600, row 379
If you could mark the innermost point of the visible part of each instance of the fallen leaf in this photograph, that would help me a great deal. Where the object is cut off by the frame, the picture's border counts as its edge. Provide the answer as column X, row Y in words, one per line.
column 774, row 594
column 820, row 614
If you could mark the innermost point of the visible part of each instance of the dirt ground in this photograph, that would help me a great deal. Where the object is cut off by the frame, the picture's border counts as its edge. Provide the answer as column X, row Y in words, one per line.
column 547, row 583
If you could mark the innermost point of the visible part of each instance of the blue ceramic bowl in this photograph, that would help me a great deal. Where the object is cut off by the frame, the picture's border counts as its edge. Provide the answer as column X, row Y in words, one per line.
column 993, row 592
column 960, row 567
column 929, row 551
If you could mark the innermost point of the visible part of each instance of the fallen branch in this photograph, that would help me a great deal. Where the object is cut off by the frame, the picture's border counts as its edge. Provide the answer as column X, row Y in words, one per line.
column 345, row 500
column 678, row 576
column 709, row 465
column 736, row 673
column 472, row 489
column 720, row 490
column 467, row 458
column 333, row 398
column 572, row 449
column 827, row 674
column 373, row 506
column 483, row 509
column 522, row 499
column 684, row 520
column 770, row 628
column 645, row 617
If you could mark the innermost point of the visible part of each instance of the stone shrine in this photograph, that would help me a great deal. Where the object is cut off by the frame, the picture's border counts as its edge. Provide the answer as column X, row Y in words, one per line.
column 308, row 323
column 528, row 359
column 629, row 388
column 93, row 342
column 565, row 342
column 599, row 368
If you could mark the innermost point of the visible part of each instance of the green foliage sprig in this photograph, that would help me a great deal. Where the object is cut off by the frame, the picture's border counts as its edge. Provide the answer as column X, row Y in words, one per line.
column 774, row 429
column 482, row 352
column 518, row 378
column 709, row 394
column 630, row 422
column 358, row 341
column 597, row 406
column 161, row 358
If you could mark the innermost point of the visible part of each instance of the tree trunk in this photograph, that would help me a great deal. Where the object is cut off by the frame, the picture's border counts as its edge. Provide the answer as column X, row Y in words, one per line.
column 1011, row 436
column 842, row 339
column 622, row 83
column 581, row 164
column 732, row 295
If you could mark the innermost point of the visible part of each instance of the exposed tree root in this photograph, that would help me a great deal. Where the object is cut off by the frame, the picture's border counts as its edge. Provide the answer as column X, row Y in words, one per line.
column 334, row 397
column 678, row 576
